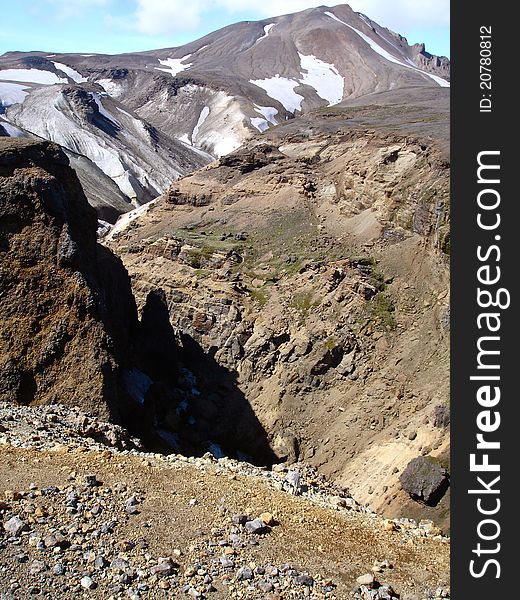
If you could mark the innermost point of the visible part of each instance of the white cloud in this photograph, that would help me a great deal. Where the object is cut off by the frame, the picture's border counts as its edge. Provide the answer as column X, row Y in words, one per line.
column 165, row 17
column 156, row 17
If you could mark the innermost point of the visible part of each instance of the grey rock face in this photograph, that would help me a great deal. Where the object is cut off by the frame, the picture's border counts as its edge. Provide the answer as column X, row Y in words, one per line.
column 425, row 480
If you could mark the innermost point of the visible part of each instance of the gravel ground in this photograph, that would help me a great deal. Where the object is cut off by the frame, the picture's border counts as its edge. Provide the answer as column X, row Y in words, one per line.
column 87, row 513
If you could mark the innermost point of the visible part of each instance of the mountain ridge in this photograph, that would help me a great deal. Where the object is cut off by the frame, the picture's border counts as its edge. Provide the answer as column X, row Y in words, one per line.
column 205, row 98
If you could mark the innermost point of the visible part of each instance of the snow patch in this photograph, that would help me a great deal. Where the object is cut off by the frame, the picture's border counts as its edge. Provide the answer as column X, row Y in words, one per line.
column 132, row 163
column 261, row 124
column 267, row 29
column 185, row 139
column 216, row 450
column 103, row 228
column 31, row 76
column 72, row 73
column 390, row 57
column 225, row 144
column 137, row 384
column 124, row 220
column 174, row 65
column 202, row 117
column 363, row 17
column 111, row 87
column 221, row 134
column 48, row 120
column 11, row 130
column 223, row 130
column 268, row 112
column 125, row 113
column 108, row 161
column 282, row 90
column 191, row 380
column 11, row 93
column 103, row 111
column 323, row 77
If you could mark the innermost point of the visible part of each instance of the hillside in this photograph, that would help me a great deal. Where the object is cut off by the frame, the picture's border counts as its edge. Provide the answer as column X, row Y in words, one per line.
column 225, row 317
column 311, row 266
column 83, row 519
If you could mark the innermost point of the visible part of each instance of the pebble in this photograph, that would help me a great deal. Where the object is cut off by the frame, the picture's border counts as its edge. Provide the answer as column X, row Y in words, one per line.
column 265, row 586
column 389, row 525
column 244, row 573
column 240, row 519
column 87, row 582
column 14, row 526
column 268, row 519
column 304, row 580
column 37, row 566
column 90, row 480
column 100, row 562
column 366, row 580
column 108, row 554
column 293, row 478
column 256, row 526
column 163, row 569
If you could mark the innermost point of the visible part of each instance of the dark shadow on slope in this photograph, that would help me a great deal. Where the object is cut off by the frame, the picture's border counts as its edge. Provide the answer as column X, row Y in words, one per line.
column 191, row 404
column 158, row 346
column 222, row 412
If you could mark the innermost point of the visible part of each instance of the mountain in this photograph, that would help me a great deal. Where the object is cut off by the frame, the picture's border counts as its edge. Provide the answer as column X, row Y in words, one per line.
column 144, row 119
column 312, row 265
column 293, row 289
column 129, row 161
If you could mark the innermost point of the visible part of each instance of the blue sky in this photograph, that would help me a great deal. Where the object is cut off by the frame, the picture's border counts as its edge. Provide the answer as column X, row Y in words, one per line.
column 114, row 26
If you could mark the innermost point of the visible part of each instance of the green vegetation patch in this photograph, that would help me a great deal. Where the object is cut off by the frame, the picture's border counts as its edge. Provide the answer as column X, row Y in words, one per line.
column 383, row 309
column 304, row 302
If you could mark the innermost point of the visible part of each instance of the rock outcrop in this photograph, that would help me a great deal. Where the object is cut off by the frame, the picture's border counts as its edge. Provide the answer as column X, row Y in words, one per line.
column 67, row 315
column 70, row 333
column 438, row 65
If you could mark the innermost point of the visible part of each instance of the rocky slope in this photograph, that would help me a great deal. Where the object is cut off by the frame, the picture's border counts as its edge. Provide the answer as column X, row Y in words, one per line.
column 311, row 265
column 172, row 108
column 69, row 328
column 81, row 518
column 67, row 312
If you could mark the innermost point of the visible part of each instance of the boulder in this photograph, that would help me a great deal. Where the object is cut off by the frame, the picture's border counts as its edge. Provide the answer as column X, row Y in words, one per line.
column 425, row 480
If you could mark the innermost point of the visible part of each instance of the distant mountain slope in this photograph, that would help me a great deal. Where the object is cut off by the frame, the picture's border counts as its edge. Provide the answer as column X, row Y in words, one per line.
column 145, row 118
